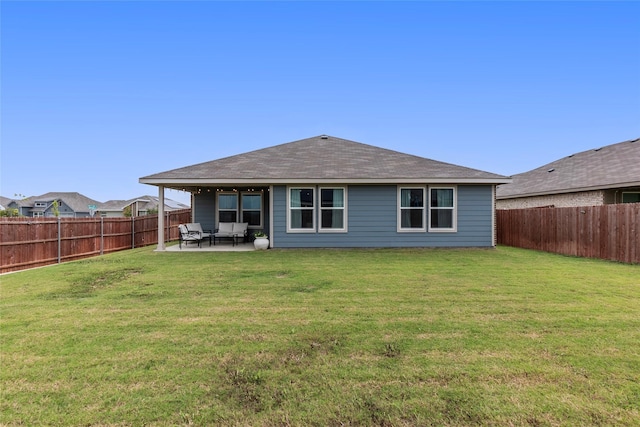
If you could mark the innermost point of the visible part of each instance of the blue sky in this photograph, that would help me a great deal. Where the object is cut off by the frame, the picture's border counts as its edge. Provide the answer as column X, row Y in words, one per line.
column 96, row 95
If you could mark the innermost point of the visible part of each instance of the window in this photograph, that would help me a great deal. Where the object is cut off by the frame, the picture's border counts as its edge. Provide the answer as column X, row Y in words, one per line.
column 332, row 209
column 411, row 216
column 630, row 197
column 227, row 207
column 252, row 209
column 301, row 209
column 442, row 214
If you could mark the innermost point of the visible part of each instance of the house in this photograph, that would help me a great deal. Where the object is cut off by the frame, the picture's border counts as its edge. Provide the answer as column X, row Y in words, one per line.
column 331, row 192
column 605, row 175
column 4, row 202
column 66, row 205
column 139, row 206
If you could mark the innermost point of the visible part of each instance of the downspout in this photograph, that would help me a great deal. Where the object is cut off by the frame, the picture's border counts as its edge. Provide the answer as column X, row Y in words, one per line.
column 161, row 245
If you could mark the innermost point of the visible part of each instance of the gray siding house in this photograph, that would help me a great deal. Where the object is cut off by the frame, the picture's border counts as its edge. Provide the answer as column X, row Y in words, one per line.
column 69, row 205
column 327, row 192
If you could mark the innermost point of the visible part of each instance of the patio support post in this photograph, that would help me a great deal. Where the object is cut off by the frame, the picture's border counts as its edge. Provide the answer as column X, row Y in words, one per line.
column 161, row 246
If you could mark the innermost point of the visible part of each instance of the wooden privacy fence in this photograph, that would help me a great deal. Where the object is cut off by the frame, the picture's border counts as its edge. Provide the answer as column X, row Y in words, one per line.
column 610, row 232
column 34, row 242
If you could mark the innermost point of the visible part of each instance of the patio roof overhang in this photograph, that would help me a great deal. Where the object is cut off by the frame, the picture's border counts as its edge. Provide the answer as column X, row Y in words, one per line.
column 194, row 185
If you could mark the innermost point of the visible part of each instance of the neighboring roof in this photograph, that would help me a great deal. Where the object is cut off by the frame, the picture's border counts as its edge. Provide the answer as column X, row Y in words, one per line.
column 612, row 166
column 4, row 202
column 76, row 201
column 119, row 205
column 320, row 159
column 113, row 205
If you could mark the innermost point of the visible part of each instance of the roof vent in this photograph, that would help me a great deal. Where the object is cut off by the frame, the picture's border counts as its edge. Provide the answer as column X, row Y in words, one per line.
column 324, row 137
column 551, row 170
column 598, row 149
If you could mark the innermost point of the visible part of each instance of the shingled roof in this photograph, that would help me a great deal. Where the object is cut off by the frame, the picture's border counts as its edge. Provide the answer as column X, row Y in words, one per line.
column 321, row 159
column 76, row 201
column 612, row 166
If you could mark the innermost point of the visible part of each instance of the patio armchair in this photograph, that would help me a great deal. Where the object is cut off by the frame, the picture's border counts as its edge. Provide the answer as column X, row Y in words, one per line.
column 187, row 236
column 195, row 227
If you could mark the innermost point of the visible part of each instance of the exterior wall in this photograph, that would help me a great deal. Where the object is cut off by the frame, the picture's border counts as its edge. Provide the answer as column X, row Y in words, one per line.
column 65, row 212
column 586, row 198
column 372, row 221
column 204, row 210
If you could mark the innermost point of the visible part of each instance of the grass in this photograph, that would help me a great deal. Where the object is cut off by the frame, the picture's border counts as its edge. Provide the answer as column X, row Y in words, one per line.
column 322, row 337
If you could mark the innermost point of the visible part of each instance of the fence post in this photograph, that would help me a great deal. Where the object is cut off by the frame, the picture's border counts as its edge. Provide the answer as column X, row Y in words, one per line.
column 133, row 232
column 101, row 235
column 59, row 241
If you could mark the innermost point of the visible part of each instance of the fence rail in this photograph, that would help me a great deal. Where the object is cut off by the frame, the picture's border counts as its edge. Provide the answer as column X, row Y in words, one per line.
column 34, row 242
column 610, row 232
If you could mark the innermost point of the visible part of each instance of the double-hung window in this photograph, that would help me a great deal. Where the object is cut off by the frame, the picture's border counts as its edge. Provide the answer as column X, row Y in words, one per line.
column 251, row 204
column 412, row 209
column 301, row 209
column 442, row 209
column 332, row 209
column 227, row 207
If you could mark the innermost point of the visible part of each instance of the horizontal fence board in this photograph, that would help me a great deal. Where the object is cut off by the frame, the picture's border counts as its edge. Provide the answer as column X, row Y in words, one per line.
column 35, row 242
column 607, row 232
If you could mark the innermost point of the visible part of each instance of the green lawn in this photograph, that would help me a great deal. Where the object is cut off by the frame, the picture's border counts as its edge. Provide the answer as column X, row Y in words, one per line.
column 322, row 337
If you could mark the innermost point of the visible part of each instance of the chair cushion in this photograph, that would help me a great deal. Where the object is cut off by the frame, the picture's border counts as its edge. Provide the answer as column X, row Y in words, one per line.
column 194, row 226
column 240, row 228
column 225, row 227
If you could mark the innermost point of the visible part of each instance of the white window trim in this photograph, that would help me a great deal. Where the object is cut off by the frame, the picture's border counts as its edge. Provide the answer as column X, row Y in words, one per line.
column 218, row 210
column 252, row 193
column 345, row 228
column 289, row 209
column 454, row 218
column 425, row 193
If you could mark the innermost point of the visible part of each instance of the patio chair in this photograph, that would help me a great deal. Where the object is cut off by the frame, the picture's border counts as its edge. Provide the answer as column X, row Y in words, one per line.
column 195, row 227
column 240, row 230
column 187, row 236
column 224, row 231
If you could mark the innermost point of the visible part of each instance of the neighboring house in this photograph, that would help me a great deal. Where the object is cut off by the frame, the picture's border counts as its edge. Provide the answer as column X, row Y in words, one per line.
column 4, row 202
column 605, row 175
column 143, row 205
column 69, row 205
column 331, row 192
